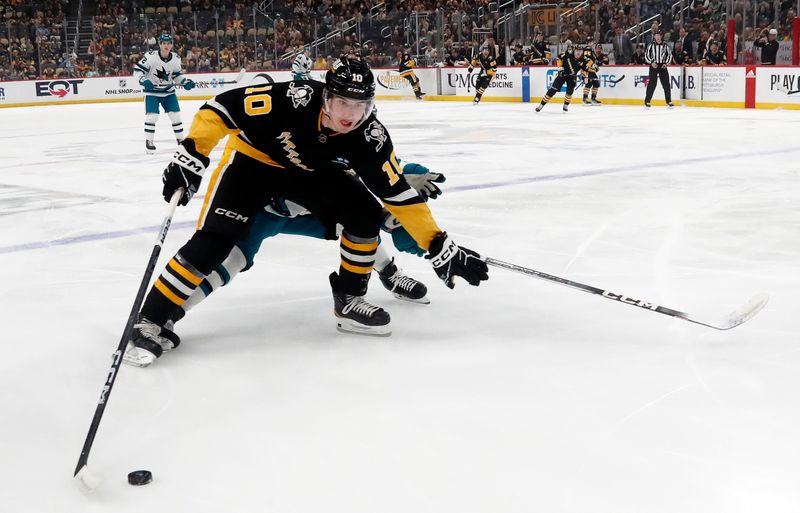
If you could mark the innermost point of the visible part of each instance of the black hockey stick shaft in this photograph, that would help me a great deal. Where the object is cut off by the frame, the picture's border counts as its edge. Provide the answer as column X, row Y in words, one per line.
column 734, row 319
column 117, row 357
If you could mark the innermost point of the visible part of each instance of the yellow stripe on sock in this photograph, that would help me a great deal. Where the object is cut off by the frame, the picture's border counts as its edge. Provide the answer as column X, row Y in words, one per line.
column 355, row 269
column 369, row 246
column 186, row 273
column 168, row 293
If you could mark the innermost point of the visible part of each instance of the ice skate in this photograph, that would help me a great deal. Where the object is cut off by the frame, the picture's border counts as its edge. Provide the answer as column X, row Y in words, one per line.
column 402, row 286
column 148, row 342
column 150, row 147
column 355, row 315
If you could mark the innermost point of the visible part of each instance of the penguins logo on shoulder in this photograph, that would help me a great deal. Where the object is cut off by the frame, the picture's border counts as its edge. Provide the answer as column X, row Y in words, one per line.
column 300, row 95
column 375, row 132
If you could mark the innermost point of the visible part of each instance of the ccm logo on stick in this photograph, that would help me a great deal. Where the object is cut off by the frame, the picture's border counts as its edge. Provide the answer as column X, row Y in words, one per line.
column 630, row 301
column 231, row 214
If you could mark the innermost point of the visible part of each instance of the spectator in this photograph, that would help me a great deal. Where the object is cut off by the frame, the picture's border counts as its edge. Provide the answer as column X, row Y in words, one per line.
column 623, row 48
column 768, row 43
column 638, row 55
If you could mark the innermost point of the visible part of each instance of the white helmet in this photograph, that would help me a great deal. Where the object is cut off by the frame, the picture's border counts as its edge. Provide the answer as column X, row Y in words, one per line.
column 774, row 32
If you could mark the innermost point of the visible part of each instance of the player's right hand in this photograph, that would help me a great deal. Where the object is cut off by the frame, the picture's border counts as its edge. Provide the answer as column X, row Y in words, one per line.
column 184, row 171
column 450, row 260
column 148, row 84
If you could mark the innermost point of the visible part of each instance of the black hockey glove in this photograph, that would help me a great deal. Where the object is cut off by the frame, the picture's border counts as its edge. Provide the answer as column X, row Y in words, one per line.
column 185, row 170
column 450, row 260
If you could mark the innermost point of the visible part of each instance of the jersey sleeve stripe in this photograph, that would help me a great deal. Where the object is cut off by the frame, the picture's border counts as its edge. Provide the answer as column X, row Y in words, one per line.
column 402, row 197
column 223, row 112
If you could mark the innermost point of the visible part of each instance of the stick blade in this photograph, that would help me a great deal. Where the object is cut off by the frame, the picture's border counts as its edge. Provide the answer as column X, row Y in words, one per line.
column 745, row 312
column 86, row 481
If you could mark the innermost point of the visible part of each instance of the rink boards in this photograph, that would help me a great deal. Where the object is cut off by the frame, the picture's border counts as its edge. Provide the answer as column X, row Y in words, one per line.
column 708, row 86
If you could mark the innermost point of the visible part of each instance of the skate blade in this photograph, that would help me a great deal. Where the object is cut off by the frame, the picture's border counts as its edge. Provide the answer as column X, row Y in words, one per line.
column 423, row 300
column 348, row 326
column 138, row 357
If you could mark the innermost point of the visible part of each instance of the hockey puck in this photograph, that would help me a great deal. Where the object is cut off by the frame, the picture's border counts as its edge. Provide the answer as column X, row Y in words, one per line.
column 140, row 477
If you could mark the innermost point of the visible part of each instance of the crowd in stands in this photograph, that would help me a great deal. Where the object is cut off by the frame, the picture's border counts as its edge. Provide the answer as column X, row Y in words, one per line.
column 219, row 35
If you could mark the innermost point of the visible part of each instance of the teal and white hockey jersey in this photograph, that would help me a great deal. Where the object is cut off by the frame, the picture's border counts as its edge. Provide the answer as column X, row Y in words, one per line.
column 163, row 73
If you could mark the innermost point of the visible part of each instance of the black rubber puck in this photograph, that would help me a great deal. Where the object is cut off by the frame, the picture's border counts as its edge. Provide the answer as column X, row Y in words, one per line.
column 140, row 477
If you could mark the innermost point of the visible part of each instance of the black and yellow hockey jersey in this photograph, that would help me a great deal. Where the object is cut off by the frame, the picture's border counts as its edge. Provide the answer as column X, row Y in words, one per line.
column 592, row 61
column 407, row 64
column 487, row 64
column 540, row 53
column 280, row 125
column 570, row 65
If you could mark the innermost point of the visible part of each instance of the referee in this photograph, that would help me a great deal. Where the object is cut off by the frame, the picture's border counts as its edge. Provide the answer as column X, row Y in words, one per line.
column 658, row 55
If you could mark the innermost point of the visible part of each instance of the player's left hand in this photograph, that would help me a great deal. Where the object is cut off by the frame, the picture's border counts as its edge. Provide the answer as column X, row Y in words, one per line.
column 424, row 183
column 450, row 260
column 188, row 84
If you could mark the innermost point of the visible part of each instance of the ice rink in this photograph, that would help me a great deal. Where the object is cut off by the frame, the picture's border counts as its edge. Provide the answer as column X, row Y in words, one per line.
column 517, row 396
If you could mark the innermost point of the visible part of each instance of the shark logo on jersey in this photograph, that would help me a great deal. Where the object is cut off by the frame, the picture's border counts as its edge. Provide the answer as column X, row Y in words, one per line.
column 375, row 132
column 162, row 74
column 300, row 95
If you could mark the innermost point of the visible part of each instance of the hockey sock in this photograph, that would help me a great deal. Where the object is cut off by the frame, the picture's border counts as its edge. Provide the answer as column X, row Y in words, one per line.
column 219, row 277
column 479, row 93
column 594, row 93
column 567, row 99
column 173, row 287
column 382, row 258
column 358, row 257
column 177, row 124
column 150, row 126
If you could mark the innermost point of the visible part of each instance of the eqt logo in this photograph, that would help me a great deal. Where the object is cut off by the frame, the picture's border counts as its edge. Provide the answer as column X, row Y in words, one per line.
column 59, row 88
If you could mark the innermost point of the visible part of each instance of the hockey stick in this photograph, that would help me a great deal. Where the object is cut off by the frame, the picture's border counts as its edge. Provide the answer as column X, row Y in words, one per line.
column 780, row 88
column 85, row 479
column 735, row 318
column 238, row 78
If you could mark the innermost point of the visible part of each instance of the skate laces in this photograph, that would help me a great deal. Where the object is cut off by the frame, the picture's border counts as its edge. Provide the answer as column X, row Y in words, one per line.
column 358, row 305
column 402, row 281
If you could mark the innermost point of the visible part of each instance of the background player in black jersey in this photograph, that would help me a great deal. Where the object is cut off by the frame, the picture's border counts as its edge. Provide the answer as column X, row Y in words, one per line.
column 319, row 145
column 488, row 68
column 571, row 65
column 540, row 51
column 593, row 58
column 407, row 64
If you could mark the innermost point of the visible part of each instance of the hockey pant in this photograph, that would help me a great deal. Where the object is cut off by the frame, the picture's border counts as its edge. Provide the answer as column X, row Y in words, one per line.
column 239, row 189
column 170, row 105
column 662, row 74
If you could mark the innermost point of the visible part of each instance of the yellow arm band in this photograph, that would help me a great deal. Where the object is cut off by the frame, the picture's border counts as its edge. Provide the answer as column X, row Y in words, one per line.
column 418, row 222
column 207, row 130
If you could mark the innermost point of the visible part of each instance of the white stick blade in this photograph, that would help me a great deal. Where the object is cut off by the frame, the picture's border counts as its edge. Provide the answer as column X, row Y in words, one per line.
column 86, row 481
column 746, row 312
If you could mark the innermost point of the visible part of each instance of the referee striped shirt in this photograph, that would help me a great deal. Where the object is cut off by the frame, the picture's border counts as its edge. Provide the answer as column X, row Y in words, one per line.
column 658, row 53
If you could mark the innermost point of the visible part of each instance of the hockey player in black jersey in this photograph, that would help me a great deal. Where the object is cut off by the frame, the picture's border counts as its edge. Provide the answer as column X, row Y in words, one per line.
column 571, row 64
column 488, row 68
column 319, row 145
column 593, row 58
column 407, row 64
column 540, row 52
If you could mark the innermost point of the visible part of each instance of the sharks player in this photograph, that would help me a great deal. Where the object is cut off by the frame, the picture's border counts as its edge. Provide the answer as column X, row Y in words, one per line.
column 158, row 72
column 301, row 67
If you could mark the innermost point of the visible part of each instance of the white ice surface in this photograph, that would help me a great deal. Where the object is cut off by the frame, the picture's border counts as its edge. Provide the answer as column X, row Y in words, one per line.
column 518, row 396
